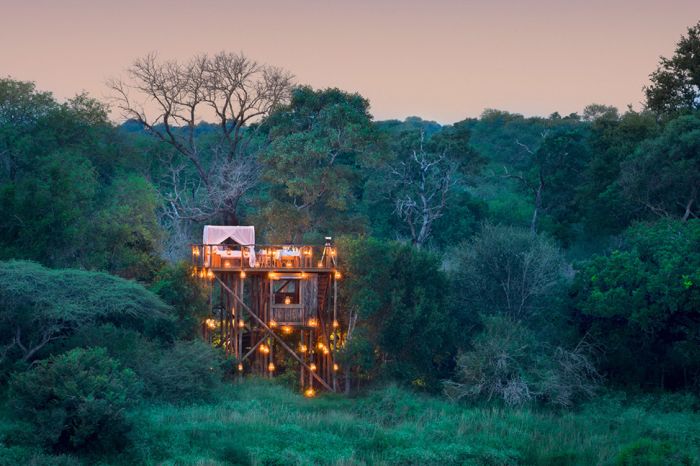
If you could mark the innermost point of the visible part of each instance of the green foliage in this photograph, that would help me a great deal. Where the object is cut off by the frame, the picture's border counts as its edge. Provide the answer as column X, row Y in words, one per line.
column 507, row 270
column 675, row 84
column 67, row 186
column 175, row 285
column 183, row 373
column 40, row 305
column 662, row 177
column 76, row 401
column 398, row 293
column 317, row 145
column 641, row 303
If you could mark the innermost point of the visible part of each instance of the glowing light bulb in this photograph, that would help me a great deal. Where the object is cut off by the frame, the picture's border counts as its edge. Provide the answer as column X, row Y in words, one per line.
column 240, row 367
column 242, row 273
column 335, row 324
column 271, row 367
column 310, row 393
column 312, row 366
column 241, row 323
column 338, row 275
column 335, row 367
column 273, row 323
column 287, row 300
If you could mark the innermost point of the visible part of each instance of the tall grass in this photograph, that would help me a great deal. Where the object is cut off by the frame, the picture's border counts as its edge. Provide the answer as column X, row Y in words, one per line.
column 257, row 422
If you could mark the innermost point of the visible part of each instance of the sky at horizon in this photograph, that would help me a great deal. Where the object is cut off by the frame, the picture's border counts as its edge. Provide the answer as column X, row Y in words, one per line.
column 440, row 60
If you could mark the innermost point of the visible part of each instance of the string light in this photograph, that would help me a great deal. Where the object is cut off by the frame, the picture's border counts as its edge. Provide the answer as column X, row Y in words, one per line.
column 271, row 367
column 335, row 367
column 240, row 367
column 313, row 322
column 312, row 366
column 210, row 274
column 310, row 393
column 264, row 349
column 242, row 273
column 273, row 323
column 338, row 275
column 211, row 323
column 241, row 323
column 287, row 300
column 335, row 324
column 303, row 348
column 286, row 329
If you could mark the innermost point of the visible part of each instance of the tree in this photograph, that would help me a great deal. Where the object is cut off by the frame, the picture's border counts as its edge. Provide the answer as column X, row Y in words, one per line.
column 640, row 303
column 506, row 270
column 317, row 147
column 170, row 100
column 39, row 306
column 612, row 139
column 663, row 175
column 396, row 297
column 547, row 173
column 76, row 401
column 424, row 175
column 675, row 85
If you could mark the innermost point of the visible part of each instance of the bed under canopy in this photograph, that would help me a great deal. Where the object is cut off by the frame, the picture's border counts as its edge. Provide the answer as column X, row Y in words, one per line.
column 215, row 235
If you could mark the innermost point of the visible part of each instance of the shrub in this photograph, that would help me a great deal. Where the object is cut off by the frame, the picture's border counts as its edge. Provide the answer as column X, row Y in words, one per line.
column 187, row 371
column 507, row 362
column 76, row 401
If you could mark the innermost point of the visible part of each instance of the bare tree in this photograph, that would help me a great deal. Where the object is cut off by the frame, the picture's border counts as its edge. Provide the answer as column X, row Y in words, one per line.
column 170, row 99
column 422, row 183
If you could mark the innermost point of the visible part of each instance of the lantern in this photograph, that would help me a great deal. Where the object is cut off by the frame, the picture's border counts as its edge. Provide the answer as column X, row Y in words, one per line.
column 241, row 323
column 287, row 300
column 286, row 329
column 240, row 367
column 271, row 367
column 335, row 367
column 273, row 323
column 303, row 348
column 338, row 275
column 312, row 366
column 310, row 393
column 335, row 324
column 313, row 322
column 242, row 273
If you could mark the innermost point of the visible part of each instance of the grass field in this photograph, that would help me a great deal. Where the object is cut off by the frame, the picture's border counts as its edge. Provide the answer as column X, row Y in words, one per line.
column 262, row 423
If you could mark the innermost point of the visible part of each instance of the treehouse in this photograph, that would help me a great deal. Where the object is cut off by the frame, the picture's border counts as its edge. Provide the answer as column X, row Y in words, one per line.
column 274, row 307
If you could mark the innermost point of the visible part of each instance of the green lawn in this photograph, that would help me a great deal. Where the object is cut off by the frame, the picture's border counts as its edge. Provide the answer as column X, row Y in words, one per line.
column 262, row 423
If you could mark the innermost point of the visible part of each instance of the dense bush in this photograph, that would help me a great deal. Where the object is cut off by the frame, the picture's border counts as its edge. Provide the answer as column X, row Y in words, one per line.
column 185, row 372
column 76, row 401
column 641, row 304
column 399, row 295
column 508, row 363
column 39, row 306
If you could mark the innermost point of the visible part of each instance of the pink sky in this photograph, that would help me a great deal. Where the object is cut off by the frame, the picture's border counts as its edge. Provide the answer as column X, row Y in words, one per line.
column 442, row 60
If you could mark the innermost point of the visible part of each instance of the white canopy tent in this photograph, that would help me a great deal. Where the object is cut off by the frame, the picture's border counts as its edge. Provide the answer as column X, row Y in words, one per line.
column 243, row 235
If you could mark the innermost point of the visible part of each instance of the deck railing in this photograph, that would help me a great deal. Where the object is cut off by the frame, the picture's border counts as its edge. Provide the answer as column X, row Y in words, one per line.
column 263, row 256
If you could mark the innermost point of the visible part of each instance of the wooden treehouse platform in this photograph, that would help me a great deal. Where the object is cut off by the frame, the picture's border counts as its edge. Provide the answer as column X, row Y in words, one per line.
column 274, row 308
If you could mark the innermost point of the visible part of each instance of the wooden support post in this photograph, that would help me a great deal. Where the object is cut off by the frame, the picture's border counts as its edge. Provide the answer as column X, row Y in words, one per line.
column 273, row 334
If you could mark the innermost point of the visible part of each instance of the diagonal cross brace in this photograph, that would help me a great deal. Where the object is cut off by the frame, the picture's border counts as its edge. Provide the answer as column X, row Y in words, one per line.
column 274, row 335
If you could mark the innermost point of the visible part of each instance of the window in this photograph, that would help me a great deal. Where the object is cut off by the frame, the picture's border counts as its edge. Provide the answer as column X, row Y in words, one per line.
column 286, row 292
